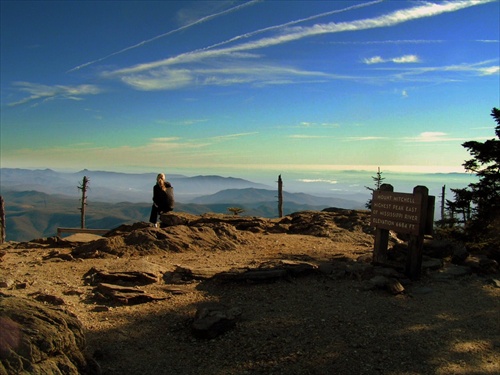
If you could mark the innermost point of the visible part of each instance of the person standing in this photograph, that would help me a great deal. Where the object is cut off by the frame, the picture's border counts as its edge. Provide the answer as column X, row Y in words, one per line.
column 163, row 198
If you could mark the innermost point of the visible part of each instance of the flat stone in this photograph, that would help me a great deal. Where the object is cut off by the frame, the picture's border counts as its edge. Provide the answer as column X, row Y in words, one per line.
column 451, row 271
column 432, row 264
column 212, row 321
column 421, row 290
column 379, row 281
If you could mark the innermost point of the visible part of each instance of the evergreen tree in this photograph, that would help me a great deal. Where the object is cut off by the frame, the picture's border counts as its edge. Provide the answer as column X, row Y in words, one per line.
column 486, row 165
column 461, row 205
column 378, row 179
column 479, row 202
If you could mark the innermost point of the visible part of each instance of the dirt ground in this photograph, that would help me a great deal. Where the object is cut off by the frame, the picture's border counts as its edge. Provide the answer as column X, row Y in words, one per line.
column 317, row 324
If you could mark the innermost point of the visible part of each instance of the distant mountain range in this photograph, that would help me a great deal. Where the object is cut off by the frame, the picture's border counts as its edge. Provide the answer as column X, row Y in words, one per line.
column 37, row 202
column 251, row 197
column 117, row 187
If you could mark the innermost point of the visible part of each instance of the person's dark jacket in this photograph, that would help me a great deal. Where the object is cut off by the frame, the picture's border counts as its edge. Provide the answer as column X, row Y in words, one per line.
column 163, row 200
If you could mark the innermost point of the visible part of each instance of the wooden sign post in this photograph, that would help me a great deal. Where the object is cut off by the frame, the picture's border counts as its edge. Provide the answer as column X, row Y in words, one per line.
column 416, row 244
column 412, row 214
column 381, row 234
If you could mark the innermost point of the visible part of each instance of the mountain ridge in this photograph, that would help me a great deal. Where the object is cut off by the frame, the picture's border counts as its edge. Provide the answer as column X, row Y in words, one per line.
column 33, row 214
column 116, row 186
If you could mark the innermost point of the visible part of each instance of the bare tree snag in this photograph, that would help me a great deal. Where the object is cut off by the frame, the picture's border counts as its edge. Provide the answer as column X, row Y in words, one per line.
column 443, row 200
column 2, row 220
column 83, row 187
column 280, row 196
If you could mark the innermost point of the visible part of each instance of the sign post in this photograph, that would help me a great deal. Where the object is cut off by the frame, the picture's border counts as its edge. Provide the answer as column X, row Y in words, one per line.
column 416, row 243
column 381, row 235
column 403, row 213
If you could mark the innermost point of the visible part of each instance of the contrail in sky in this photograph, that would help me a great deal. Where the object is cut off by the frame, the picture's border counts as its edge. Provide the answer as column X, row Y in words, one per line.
column 248, row 35
column 298, row 32
column 201, row 20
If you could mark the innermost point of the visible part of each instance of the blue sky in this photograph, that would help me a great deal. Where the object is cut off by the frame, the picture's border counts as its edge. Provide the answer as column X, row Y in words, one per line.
column 242, row 87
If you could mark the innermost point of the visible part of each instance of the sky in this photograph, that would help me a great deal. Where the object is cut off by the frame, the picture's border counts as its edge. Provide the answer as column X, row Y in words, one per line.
column 243, row 87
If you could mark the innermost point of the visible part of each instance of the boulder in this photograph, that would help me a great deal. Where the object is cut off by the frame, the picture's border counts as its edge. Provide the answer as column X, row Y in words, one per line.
column 481, row 264
column 39, row 339
column 213, row 320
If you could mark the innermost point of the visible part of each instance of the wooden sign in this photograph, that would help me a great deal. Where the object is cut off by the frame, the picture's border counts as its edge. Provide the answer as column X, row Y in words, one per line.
column 404, row 213
column 399, row 212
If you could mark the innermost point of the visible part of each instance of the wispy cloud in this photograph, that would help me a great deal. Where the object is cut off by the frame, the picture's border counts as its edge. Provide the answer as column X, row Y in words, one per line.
column 232, row 136
column 178, row 71
column 406, row 59
column 162, row 144
column 433, row 136
column 488, row 71
column 164, row 139
column 291, row 23
column 367, row 138
column 396, row 41
column 482, row 68
column 306, row 136
column 307, row 124
column 228, row 74
column 318, row 180
column 144, row 42
column 185, row 122
column 41, row 93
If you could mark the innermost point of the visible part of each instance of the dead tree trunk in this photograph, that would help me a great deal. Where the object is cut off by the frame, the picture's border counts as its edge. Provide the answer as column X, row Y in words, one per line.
column 443, row 191
column 280, row 196
column 3, row 234
column 83, row 187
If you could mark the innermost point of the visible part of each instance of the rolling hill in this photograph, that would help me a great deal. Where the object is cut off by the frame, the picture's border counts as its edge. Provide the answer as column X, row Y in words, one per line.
column 33, row 214
column 116, row 187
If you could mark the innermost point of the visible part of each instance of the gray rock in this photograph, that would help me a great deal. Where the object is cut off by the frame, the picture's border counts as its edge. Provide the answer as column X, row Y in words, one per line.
column 39, row 339
column 432, row 264
column 366, row 258
column 460, row 254
column 214, row 320
column 359, row 270
column 386, row 271
column 421, row 290
column 379, row 281
column 481, row 264
column 438, row 248
column 451, row 271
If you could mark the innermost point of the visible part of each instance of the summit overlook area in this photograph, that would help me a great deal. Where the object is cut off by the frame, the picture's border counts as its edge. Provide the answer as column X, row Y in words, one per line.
column 220, row 294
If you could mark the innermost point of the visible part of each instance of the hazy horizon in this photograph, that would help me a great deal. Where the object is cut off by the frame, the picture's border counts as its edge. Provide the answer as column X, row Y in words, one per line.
column 333, row 183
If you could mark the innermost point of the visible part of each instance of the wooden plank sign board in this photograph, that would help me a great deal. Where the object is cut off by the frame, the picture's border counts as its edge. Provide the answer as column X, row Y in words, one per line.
column 400, row 212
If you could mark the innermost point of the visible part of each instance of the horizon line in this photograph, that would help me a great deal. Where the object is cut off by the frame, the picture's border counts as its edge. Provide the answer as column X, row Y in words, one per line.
column 410, row 169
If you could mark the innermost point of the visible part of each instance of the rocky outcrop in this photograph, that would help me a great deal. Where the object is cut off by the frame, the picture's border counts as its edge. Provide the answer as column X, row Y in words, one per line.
column 181, row 232
column 39, row 339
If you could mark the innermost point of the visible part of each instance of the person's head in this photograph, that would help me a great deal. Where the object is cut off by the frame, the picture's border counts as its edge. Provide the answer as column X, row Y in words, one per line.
column 160, row 178
column 160, row 181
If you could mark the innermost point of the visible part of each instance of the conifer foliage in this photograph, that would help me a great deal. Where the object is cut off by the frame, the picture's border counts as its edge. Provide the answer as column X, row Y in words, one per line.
column 486, row 165
column 483, row 196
